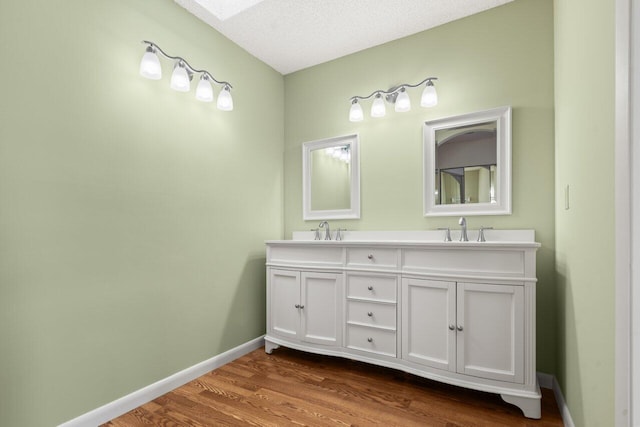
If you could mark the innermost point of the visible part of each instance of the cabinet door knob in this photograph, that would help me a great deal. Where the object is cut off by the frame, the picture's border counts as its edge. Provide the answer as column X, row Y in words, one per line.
column 302, row 306
column 370, row 256
column 370, row 314
column 370, row 339
column 297, row 305
column 452, row 328
column 370, row 287
column 459, row 328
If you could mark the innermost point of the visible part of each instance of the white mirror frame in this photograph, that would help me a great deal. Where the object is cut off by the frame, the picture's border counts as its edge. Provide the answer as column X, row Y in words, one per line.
column 502, row 205
column 307, row 148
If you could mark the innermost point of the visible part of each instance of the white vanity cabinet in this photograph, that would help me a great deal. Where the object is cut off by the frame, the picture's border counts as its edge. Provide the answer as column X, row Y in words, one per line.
column 456, row 312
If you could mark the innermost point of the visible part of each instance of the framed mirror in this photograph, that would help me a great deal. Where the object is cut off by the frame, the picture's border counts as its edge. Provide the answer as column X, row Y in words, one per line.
column 467, row 164
column 331, row 178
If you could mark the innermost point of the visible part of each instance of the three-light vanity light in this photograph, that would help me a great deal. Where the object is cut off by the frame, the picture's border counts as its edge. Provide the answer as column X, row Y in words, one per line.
column 397, row 95
column 182, row 75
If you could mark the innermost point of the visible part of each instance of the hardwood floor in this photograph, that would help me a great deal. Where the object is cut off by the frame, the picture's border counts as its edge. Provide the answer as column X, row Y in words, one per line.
column 296, row 388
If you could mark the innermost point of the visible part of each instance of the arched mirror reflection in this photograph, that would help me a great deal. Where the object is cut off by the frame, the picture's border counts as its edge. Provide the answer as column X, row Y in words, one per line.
column 467, row 164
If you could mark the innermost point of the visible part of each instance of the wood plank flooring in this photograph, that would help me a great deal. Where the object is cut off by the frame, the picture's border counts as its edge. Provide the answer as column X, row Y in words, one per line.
column 290, row 387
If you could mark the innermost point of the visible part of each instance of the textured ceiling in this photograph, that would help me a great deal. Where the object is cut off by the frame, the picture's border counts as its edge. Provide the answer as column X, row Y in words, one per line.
column 290, row 35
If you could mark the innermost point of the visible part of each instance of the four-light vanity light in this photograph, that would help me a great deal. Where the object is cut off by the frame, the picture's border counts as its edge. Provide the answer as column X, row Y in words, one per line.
column 182, row 75
column 397, row 95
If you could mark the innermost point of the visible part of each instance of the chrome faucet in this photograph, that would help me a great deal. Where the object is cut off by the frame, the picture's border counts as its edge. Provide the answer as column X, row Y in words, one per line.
column 327, row 232
column 462, row 222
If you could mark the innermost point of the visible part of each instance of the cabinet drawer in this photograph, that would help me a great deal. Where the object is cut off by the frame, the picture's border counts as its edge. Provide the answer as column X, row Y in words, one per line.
column 372, row 258
column 372, row 287
column 373, row 340
column 305, row 255
column 475, row 262
column 372, row 314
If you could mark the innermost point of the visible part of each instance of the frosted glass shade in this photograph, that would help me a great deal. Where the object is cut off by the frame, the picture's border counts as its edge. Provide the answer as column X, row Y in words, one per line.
column 429, row 96
column 225, row 101
column 180, row 79
column 355, row 113
column 204, row 91
column 378, row 109
column 150, row 66
column 403, row 103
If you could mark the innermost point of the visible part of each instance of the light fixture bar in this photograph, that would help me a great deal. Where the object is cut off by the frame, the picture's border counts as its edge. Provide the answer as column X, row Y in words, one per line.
column 186, row 64
column 182, row 75
column 355, row 114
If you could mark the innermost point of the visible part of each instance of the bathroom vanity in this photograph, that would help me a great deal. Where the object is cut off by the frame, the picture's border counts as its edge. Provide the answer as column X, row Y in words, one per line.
column 463, row 313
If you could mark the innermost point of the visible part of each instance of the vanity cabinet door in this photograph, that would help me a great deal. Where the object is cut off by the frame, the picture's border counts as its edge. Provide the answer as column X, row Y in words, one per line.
column 474, row 329
column 284, row 297
column 428, row 323
column 320, row 299
column 491, row 342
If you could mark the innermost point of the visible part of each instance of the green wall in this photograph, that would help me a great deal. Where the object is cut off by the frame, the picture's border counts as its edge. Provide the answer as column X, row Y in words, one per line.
column 503, row 56
column 584, row 99
column 132, row 217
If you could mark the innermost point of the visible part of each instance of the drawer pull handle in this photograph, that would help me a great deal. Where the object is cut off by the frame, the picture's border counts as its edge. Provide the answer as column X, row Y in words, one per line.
column 370, row 314
column 452, row 328
column 370, row 287
column 370, row 256
column 460, row 328
column 370, row 339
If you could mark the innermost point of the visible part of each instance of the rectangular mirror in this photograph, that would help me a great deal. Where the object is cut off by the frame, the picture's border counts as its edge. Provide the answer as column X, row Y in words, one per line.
column 467, row 164
column 331, row 178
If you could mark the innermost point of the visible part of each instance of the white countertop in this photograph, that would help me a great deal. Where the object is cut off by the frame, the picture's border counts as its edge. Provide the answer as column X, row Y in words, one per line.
column 434, row 238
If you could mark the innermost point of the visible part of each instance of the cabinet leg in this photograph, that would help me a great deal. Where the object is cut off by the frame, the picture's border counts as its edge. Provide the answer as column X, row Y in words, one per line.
column 530, row 406
column 269, row 346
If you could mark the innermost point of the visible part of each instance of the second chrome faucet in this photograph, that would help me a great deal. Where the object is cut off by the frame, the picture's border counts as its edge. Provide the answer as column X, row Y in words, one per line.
column 462, row 222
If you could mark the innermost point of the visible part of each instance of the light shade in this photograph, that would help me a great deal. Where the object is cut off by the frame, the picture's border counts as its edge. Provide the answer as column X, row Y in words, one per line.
column 180, row 78
column 378, row 109
column 355, row 113
column 204, row 91
column 225, row 101
column 150, row 65
column 429, row 95
column 403, row 103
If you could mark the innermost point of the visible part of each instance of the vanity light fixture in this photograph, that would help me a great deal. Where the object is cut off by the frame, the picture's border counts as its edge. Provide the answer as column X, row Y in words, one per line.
column 397, row 95
column 182, row 75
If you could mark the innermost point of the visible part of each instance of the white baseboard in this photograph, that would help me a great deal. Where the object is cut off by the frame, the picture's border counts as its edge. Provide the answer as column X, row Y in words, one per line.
column 131, row 401
column 549, row 381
